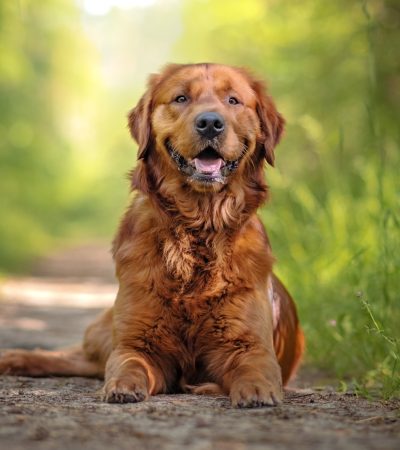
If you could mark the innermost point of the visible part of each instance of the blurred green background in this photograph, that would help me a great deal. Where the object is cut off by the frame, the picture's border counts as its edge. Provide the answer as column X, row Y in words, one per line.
column 70, row 71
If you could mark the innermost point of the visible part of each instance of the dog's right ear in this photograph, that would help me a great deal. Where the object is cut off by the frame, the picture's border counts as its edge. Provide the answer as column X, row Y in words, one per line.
column 139, row 119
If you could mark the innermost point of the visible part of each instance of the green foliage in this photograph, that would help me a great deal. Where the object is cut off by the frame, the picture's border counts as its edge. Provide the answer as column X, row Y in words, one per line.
column 37, row 79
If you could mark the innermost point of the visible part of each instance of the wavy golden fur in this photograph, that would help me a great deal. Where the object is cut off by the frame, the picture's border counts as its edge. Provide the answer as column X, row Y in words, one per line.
column 198, row 308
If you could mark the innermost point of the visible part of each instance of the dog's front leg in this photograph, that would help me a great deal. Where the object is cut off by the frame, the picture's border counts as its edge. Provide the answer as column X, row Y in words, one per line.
column 132, row 372
column 242, row 358
column 130, row 377
column 253, row 379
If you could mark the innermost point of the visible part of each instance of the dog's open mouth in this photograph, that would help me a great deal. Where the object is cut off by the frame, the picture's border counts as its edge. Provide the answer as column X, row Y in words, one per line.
column 207, row 167
column 208, row 162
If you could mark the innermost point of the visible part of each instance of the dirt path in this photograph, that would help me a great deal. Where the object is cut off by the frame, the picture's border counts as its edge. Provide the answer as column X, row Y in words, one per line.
column 52, row 308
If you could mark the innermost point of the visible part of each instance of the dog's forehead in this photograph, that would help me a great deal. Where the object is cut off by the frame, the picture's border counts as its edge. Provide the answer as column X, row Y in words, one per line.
column 196, row 80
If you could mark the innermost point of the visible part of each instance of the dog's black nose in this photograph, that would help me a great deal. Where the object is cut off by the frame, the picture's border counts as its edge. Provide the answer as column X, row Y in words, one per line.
column 209, row 124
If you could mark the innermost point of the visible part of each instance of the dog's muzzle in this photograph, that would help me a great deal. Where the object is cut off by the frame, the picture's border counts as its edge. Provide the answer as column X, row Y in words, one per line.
column 207, row 167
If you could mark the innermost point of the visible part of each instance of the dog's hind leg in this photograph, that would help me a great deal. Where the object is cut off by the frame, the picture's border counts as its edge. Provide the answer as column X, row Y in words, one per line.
column 203, row 389
column 288, row 335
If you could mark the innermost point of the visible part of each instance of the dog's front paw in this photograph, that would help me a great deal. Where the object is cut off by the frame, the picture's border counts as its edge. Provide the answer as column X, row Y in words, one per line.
column 124, row 391
column 253, row 393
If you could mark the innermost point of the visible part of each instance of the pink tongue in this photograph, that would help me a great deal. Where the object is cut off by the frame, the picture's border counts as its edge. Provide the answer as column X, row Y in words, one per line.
column 208, row 165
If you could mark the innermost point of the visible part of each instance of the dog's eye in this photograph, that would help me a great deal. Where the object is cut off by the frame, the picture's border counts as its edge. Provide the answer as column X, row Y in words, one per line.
column 181, row 99
column 233, row 101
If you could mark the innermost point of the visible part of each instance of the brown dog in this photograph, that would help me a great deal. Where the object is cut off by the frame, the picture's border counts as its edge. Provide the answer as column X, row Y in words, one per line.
column 198, row 307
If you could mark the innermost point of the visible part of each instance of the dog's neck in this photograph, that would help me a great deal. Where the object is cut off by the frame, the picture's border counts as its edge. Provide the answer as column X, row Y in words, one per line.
column 178, row 204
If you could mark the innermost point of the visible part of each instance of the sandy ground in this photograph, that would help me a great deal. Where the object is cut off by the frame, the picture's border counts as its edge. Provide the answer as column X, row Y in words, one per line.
column 53, row 307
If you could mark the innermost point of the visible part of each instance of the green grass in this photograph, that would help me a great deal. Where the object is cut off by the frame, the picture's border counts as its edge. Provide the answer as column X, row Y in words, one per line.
column 339, row 256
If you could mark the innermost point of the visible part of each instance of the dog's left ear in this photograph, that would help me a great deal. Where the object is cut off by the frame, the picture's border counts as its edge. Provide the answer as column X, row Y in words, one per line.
column 272, row 122
column 139, row 119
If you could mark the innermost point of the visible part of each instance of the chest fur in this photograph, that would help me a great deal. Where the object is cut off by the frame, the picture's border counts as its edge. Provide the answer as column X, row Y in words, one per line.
column 201, row 268
column 192, row 261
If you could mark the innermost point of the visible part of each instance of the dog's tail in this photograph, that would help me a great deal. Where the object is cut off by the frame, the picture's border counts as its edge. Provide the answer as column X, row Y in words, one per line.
column 289, row 339
column 39, row 363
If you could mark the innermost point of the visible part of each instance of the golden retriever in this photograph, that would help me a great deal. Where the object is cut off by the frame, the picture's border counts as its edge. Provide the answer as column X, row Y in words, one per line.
column 198, row 308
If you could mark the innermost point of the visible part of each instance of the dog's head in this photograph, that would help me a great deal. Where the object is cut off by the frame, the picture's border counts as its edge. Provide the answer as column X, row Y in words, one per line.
column 208, row 123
